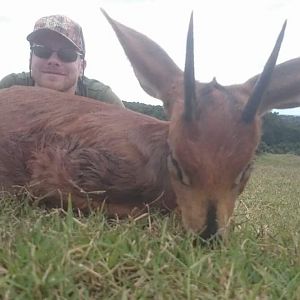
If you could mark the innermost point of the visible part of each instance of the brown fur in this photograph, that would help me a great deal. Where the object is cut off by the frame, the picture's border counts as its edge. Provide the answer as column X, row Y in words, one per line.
column 62, row 146
column 55, row 151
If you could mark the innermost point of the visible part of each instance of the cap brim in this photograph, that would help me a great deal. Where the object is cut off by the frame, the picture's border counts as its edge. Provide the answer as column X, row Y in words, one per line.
column 35, row 34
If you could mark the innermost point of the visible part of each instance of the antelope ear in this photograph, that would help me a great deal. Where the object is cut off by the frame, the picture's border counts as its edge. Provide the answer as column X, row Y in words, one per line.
column 156, row 72
column 284, row 89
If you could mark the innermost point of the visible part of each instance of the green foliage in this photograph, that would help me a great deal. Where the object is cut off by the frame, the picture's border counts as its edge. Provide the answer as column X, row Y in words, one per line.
column 281, row 134
column 155, row 111
column 55, row 255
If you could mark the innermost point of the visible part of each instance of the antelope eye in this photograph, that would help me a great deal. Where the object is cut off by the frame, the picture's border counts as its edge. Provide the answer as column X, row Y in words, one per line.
column 177, row 171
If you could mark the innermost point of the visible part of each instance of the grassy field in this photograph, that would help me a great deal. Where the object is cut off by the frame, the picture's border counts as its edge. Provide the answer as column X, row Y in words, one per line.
column 52, row 255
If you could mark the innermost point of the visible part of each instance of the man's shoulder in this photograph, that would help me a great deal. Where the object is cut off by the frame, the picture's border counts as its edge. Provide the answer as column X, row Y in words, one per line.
column 16, row 79
column 94, row 85
column 97, row 90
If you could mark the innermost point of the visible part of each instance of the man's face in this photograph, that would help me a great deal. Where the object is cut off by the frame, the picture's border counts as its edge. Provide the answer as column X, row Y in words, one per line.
column 52, row 72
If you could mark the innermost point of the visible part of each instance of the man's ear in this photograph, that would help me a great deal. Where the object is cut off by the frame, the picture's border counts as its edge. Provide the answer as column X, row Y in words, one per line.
column 30, row 60
column 82, row 66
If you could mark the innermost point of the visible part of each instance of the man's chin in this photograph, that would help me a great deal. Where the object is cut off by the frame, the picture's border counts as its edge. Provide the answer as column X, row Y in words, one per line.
column 55, row 82
column 51, row 85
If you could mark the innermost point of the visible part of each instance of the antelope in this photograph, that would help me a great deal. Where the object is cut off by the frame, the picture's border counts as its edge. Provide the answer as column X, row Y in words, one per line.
column 60, row 147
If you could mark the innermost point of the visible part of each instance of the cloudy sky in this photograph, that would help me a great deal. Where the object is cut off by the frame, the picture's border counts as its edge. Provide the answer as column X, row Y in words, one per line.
column 233, row 38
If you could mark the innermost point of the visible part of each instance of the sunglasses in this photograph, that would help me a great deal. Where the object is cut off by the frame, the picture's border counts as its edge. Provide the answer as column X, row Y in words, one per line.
column 64, row 54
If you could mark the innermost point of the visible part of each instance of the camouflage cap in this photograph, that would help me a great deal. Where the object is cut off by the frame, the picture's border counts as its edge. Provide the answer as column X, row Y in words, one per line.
column 63, row 26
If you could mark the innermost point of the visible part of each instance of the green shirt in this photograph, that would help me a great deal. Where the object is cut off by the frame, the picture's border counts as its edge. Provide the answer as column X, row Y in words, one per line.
column 93, row 88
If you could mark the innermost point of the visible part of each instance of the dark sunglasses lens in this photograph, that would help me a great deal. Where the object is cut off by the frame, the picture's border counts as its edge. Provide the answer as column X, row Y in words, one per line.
column 67, row 55
column 41, row 51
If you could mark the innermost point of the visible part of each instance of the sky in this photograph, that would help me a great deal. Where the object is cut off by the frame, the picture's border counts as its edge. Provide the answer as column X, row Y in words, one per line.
column 233, row 38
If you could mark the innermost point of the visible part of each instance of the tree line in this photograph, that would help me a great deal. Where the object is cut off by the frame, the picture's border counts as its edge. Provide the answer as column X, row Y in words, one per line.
column 281, row 134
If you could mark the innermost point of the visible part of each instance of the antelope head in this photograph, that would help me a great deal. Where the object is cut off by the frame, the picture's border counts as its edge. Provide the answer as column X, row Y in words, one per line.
column 214, row 130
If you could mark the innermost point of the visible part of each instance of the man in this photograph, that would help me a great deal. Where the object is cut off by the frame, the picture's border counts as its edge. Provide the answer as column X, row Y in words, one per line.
column 57, row 61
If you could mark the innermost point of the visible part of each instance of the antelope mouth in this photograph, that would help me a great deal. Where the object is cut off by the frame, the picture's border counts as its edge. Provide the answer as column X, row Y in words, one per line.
column 210, row 231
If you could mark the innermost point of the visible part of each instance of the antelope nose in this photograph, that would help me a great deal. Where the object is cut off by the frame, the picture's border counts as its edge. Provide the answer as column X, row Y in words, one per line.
column 211, row 228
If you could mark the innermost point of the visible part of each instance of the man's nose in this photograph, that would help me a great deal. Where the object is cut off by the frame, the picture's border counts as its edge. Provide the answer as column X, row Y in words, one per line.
column 54, row 59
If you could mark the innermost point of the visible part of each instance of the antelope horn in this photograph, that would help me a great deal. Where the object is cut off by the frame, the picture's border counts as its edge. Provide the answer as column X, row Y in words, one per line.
column 263, row 81
column 189, row 75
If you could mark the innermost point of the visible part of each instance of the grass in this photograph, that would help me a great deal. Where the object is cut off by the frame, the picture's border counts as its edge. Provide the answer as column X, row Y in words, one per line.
column 53, row 255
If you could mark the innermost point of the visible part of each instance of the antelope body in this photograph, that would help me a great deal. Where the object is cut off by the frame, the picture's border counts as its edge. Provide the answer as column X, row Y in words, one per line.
column 58, row 145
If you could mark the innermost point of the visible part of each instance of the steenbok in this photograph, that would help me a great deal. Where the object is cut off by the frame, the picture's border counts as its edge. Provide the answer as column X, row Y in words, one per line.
column 59, row 146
